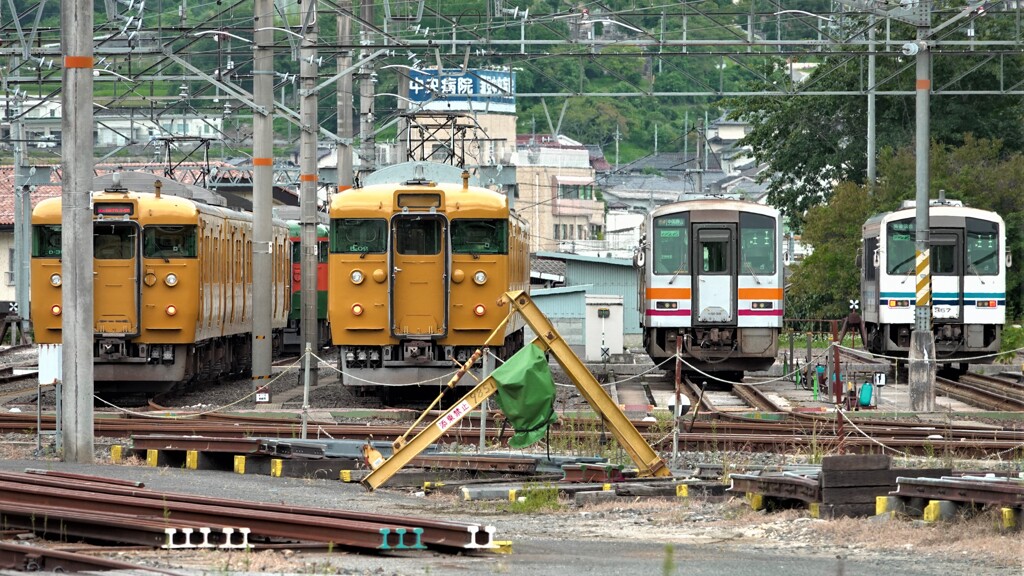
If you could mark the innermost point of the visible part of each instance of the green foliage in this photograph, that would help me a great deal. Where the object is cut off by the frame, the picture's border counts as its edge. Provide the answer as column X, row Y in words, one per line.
column 1013, row 340
column 535, row 498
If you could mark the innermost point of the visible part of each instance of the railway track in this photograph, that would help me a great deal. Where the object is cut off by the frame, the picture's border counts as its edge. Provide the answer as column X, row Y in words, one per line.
column 983, row 391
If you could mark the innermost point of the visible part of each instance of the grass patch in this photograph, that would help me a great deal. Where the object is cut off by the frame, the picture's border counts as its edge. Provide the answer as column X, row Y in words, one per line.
column 535, row 498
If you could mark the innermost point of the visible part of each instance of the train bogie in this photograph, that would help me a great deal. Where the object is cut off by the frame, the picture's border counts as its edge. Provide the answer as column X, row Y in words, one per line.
column 968, row 262
column 710, row 277
column 417, row 270
column 173, row 291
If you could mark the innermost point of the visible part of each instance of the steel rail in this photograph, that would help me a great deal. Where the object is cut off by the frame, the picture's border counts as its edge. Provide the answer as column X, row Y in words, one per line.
column 978, row 396
column 110, row 526
column 24, row 558
column 341, row 532
column 435, row 533
column 961, row 490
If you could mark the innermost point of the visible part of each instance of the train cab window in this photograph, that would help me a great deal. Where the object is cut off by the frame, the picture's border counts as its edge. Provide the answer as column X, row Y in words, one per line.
column 358, row 236
column 479, row 236
column 982, row 247
column 900, row 253
column 169, row 242
column 113, row 242
column 46, row 241
column 671, row 244
column 714, row 251
column 757, row 244
column 943, row 254
column 417, row 236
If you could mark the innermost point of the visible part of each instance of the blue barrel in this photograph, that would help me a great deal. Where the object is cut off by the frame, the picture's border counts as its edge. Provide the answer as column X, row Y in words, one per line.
column 865, row 394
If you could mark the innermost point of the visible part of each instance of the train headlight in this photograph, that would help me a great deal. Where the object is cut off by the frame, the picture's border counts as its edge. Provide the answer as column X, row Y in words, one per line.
column 172, row 310
column 479, row 310
column 458, row 276
column 55, row 280
column 55, row 309
column 357, row 309
column 480, row 277
column 171, row 279
column 357, row 277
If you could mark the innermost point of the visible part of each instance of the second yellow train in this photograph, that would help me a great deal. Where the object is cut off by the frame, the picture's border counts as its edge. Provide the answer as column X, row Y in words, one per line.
column 417, row 269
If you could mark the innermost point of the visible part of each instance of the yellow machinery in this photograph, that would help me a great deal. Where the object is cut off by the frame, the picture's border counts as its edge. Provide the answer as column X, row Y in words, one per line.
column 646, row 459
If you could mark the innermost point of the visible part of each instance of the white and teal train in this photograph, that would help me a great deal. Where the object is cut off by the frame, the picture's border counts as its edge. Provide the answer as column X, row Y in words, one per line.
column 968, row 263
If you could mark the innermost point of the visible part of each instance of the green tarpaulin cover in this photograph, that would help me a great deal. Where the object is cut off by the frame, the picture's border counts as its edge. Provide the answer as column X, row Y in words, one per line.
column 526, row 395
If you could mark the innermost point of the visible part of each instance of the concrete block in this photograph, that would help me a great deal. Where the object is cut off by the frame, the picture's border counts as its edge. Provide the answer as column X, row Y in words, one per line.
column 1010, row 518
column 594, row 497
column 937, row 510
column 888, row 505
column 488, row 493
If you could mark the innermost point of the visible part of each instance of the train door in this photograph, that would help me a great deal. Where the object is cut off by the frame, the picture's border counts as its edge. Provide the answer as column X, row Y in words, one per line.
column 947, row 272
column 714, row 291
column 116, row 269
column 419, row 275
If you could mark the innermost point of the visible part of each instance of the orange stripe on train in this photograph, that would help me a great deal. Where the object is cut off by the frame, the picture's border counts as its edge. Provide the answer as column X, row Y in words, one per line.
column 760, row 294
column 668, row 293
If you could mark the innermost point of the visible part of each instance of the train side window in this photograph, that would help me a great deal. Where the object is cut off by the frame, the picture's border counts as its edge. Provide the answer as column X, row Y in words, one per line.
column 358, row 236
column 868, row 259
column 46, row 241
column 671, row 244
column 982, row 247
column 169, row 242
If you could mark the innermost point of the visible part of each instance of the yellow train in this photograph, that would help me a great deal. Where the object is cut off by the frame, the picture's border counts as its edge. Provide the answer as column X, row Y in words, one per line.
column 416, row 271
column 173, row 292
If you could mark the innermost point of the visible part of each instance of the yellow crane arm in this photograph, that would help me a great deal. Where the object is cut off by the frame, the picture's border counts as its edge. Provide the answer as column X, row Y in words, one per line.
column 647, row 460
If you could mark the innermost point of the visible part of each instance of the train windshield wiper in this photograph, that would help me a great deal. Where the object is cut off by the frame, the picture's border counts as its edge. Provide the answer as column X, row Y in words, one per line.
column 752, row 273
column 675, row 275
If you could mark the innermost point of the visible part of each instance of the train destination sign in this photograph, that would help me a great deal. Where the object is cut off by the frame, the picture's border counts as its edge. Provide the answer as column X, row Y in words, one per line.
column 126, row 209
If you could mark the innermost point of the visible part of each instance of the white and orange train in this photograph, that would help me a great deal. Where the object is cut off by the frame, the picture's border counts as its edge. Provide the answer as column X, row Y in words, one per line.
column 711, row 285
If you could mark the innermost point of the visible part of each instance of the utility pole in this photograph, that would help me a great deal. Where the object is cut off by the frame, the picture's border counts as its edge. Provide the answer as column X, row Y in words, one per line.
column 76, row 223
column 262, row 191
column 22, row 213
column 308, row 185
column 367, row 152
column 344, row 97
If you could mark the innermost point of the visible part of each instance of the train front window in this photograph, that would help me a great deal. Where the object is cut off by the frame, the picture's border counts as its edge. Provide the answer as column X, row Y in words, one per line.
column 46, row 241
column 358, row 236
column 714, row 251
column 757, row 247
column 417, row 236
column 479, row 236
column 671, row 244
column 982, row 247
column 900, row 255
column 113, row 242
column 943, row 254
column 169, row 242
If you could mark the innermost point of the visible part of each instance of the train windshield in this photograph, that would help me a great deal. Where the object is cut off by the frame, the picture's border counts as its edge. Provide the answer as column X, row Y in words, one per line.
column 757, row 248
column 479, row 236
column 358, row 236
column 169, row 242
column 321, row 250
column 900, row 254
column 982, row 247
column 113, row 241
column 672, row 244
column 46, row 241
column 418, row 236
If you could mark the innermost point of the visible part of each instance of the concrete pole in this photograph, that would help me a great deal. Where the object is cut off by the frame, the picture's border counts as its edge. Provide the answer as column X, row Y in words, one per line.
column 921, row 369
column 367, row 153
column 871, row 105
column 308, row 185
column 76, row 221
column 22, row 218
column 345, row 96
column 262, row 190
